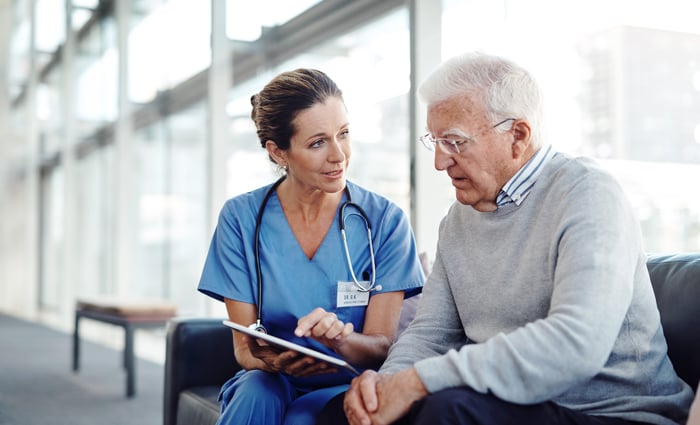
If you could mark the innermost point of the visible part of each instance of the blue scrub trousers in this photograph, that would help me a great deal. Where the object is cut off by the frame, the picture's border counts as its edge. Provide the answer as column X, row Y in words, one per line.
column 257, row 397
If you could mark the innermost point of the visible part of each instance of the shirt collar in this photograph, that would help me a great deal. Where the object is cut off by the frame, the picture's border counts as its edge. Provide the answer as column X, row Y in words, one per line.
column 520, row 185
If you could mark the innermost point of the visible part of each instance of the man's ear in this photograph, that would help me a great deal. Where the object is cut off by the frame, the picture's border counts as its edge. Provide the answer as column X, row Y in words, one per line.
column 276, row 154
column 521, row 138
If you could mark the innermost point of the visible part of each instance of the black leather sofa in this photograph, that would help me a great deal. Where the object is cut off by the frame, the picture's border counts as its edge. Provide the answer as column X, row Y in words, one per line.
column 199, row 352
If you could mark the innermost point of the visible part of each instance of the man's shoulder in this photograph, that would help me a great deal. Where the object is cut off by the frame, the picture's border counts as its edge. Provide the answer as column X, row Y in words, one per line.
column 580, row 169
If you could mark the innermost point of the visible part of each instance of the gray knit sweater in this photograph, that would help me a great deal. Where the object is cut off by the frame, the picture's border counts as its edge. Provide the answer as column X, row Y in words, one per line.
column 549, row 300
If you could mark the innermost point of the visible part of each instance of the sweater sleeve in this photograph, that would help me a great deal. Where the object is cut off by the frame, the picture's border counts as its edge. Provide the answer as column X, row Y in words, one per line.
column 435, row 329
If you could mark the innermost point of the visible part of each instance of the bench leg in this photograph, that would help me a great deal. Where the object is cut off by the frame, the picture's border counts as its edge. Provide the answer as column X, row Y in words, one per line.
column 129, row 362
column 76, row 344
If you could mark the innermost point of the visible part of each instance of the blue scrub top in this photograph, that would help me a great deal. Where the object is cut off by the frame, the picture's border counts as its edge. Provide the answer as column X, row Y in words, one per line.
column 293, row 284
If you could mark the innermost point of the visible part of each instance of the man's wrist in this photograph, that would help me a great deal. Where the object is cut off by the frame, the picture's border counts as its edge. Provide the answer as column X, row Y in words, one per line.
column 413, row 383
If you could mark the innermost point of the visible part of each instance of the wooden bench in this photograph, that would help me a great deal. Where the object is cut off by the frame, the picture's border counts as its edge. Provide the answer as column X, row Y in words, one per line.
column 128, row 314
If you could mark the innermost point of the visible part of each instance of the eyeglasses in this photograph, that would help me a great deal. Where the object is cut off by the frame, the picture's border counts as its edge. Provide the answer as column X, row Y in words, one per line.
column 452, row 146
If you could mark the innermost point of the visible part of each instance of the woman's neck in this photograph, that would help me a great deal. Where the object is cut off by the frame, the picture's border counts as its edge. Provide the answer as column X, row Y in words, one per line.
column 307, row 205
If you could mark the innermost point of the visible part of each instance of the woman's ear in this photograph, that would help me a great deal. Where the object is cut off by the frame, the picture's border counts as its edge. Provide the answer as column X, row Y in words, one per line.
column 277, row 154
column 521, row 138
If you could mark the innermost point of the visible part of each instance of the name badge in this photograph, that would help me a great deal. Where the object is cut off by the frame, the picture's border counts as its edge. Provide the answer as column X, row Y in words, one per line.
column 350, row 296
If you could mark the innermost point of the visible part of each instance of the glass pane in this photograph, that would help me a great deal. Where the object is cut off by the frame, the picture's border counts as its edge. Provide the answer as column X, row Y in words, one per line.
column 51, row 283
column 95, row 218
column 97, row 81
column 172, row 231
column 87, row 4
column 621, row 81
column 187, row 215
column 79, row 17
column 152, row 191
column 14, row 243
column 161, row 54
column 245, row 19
column 20, row 49
column 50, row 28
column 50, row 113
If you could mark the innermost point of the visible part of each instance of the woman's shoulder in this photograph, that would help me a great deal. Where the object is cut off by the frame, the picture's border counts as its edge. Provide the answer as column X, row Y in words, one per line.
column 252, row 197
column 363, row 196
column 361, row 192
column 244, row 206
column 377, row 206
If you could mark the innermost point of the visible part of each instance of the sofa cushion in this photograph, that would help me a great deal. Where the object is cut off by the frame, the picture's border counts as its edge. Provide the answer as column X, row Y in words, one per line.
column 198, row 405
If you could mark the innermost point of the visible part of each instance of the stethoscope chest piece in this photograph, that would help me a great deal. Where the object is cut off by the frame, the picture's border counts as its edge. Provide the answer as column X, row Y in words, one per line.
column 257, row 326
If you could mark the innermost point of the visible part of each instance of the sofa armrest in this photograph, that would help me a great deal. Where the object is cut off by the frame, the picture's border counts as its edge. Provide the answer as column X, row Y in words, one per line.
column 676, row 282
column 199, row 352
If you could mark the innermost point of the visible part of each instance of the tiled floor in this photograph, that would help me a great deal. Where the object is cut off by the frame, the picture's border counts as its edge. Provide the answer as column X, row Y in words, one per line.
column 38, row 386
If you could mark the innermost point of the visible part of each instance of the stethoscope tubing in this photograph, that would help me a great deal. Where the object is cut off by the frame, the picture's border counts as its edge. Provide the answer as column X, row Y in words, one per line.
column 256, row 253
column 341, row 219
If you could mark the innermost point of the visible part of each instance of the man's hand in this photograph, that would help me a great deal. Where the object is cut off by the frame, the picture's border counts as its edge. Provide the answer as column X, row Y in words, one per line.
column 382, row 399
column 361, row 398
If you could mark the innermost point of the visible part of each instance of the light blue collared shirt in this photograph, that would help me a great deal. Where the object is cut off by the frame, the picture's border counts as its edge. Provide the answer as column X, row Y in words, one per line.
column 520, row 185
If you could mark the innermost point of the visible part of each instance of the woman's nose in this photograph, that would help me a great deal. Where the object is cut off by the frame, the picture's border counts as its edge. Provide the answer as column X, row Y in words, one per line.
column 337, row 153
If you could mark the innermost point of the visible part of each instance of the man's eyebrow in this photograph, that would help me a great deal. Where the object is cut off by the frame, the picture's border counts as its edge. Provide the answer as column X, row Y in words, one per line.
column 455, row 132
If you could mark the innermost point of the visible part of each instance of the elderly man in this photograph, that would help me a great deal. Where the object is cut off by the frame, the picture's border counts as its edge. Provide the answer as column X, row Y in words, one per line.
column 539, row 308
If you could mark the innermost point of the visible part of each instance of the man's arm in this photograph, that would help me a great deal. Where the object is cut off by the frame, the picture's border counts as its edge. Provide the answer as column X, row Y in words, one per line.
column 434, row 330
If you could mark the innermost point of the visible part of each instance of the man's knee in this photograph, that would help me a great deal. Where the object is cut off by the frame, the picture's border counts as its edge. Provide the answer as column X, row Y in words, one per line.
column 450, row 406
column 333, row 412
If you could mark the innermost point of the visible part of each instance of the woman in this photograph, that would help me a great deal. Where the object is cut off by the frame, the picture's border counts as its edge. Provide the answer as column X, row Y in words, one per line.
column 310, row 294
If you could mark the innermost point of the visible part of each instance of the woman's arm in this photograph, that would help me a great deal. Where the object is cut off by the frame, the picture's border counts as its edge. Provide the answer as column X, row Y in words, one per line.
column 367, row 349
column 251, row 355
column 243, row 313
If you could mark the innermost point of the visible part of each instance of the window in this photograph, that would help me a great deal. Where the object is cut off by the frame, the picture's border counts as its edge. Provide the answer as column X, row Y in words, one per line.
column 620, row 80
column 168, row 45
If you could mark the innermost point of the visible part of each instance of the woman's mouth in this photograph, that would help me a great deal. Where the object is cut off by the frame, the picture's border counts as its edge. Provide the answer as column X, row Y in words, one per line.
column 335, row 173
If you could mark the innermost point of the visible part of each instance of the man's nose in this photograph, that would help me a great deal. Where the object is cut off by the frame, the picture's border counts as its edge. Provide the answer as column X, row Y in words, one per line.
column 442, row 160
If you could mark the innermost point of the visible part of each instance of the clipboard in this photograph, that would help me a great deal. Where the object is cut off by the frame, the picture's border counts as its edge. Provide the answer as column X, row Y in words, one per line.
column 288, row 345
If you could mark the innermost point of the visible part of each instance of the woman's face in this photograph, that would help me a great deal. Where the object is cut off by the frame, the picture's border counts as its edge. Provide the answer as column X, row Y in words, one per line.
column 320, row 148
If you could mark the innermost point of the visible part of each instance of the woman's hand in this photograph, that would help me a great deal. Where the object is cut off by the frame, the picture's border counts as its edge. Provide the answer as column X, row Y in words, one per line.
column 325, row 327
column 286, row 361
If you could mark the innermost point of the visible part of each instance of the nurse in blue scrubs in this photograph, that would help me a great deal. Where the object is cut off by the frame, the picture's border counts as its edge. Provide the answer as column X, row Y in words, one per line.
column 313, row 295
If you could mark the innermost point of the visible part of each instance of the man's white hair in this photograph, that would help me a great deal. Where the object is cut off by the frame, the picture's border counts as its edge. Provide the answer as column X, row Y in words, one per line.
column 505, row 89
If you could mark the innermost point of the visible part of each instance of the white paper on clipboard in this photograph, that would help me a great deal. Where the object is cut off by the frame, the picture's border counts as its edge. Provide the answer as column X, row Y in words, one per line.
column 283, row 343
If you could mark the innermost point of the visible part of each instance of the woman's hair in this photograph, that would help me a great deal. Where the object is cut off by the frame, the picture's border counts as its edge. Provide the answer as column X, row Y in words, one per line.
column 281, row 100
column 505, row 89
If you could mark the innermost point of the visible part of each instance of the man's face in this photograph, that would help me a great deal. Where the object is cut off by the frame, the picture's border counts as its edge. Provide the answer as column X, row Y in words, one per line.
column 485, row 161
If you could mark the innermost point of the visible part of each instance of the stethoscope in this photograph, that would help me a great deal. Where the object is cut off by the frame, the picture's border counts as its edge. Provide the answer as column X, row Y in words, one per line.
column 258, row 326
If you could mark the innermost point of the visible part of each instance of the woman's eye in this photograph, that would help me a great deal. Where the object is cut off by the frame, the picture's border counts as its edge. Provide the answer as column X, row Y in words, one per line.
column 317, row 143
column 345, row 133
